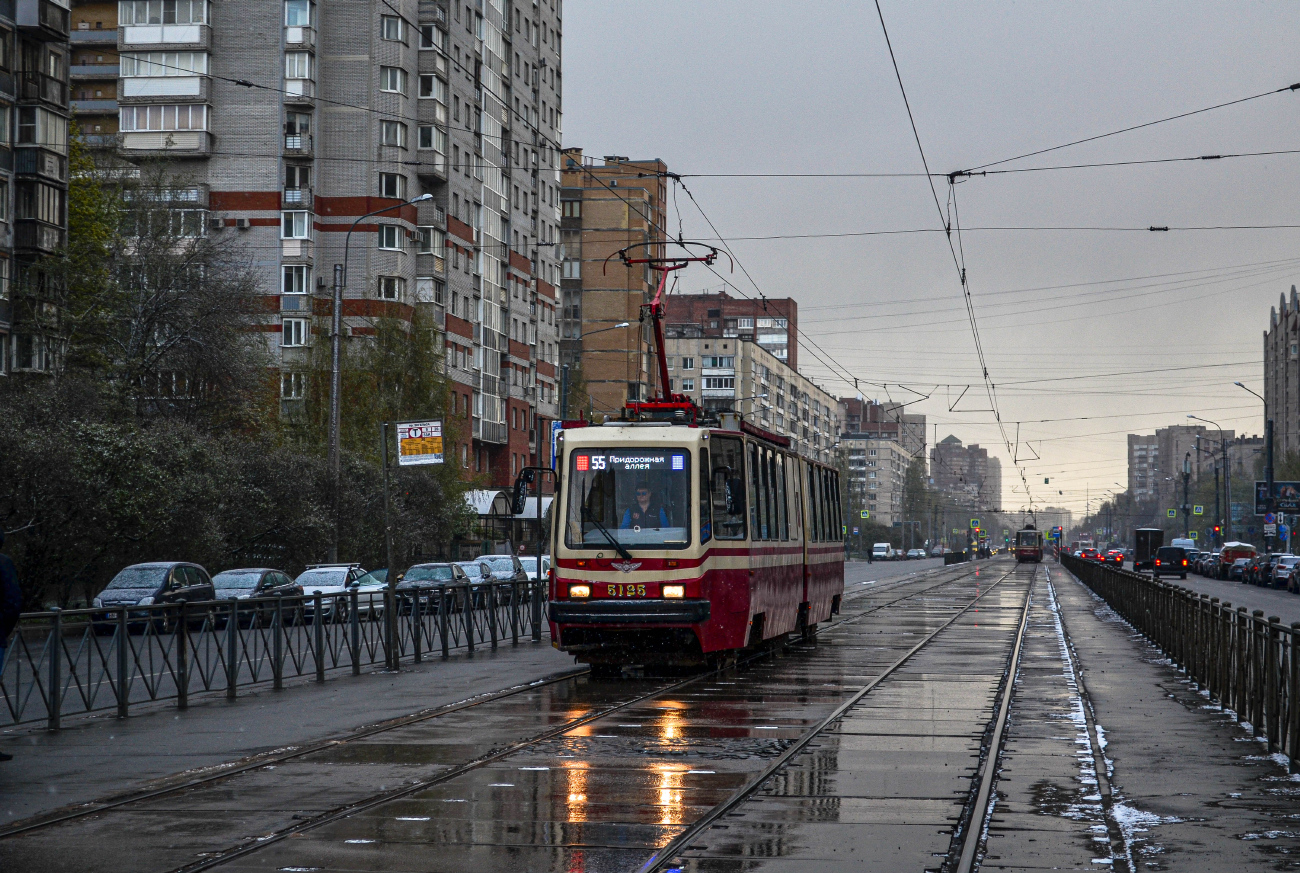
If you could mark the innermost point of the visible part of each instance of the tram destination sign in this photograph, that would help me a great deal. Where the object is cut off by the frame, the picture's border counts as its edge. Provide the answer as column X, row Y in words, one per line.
column 1286, row 497
column 419, row 442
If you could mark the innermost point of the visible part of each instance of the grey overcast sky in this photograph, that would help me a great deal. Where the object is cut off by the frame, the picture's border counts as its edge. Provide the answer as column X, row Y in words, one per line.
column 721, row 87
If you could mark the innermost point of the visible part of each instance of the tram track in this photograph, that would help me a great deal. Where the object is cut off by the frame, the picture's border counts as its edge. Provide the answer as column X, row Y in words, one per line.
column 271, row 760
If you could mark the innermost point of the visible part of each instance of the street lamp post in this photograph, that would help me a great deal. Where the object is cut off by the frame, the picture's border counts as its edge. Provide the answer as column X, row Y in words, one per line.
column 1268, row 460
column 336, row 367
column 1187, row 476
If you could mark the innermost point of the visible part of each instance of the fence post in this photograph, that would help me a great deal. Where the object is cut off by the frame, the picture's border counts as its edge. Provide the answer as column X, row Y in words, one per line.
column 443, row 622
column 354, row 628
column 232, row 651
column 514, row 613
column 493, row 596
column 1242, row 643
column 537, row 611
column 55, row 676
column 182, row 656
column 468, row 615
column 1293, row 708
column 123, row 663
column 1257, row 631
column 417, row 624
column 1272, row 689
column 318, row 629
column 277, row 648
column 390, row 630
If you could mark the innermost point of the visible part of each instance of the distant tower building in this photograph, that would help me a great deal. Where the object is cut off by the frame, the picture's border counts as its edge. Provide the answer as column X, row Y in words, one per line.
column 1282, row 374
column 967, row 474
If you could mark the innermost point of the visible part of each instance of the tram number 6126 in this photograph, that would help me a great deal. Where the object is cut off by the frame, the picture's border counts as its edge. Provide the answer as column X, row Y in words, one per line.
column 618, row 589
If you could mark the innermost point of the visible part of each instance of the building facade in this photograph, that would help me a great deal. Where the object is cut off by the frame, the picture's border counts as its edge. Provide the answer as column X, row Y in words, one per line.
column 1282, row 373
column 301, row 131
column 34, row 62
column 722, row 374
column 606, row 207
column 1143, row 461
column 886, row 420
column 967, row 474
column 94, row 70
column 876, row 464
column 772, row 323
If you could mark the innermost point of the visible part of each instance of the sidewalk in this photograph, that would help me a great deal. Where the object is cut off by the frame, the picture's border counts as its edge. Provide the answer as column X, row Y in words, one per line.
column 100, row 755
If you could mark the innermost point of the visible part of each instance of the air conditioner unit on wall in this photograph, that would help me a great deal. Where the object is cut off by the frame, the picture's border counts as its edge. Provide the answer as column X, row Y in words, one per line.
column 243, row 223
column 216, row 223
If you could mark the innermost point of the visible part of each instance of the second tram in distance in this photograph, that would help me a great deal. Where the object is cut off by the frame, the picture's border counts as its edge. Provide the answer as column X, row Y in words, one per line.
column 1029, row 545
column 681, row 543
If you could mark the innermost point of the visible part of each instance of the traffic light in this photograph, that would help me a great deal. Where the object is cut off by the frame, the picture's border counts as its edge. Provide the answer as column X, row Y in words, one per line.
column 1217, row 529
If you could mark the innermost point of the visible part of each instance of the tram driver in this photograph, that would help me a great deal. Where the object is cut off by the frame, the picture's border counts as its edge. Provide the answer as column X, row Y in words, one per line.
column 644, row 512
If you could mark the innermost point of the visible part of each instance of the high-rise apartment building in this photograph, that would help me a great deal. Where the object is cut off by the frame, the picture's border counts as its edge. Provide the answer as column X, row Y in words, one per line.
column 33, row 178
column 967, row 474
column 885, row 420
column 772, row 323
column 1143, row 461
column 1282, row 374
column 606, row 207
column 94, row 70
column 300, row 131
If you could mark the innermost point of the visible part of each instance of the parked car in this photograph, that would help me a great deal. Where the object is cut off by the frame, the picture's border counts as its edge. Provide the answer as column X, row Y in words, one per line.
column 479, row 573
column 915, row 554
column 936, row 552
column 529, row 563
column 1090, row 555
column 1282, row 568
column 1228, row 556
column 154, row 584
column 1170, row 561
column 426, row 581
column 251, row 582
column 1238, row 569
column 333, row 581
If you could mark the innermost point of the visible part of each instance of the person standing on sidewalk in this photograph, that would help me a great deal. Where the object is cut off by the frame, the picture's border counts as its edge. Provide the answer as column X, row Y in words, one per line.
column 11, row 606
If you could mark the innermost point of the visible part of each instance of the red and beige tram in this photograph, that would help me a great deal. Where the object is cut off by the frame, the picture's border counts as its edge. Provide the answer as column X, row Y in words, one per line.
column 1029, row 545
column 679, row 543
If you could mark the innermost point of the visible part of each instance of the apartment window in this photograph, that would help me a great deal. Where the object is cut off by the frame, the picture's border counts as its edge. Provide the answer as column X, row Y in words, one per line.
column 720, row 361
column 181, row 117
column 392, row 27
column 688, row 363
column 295, row 225
column 391, row 287
column 571, row 208
column 154, row 64
column 293, row 386
column 432, row 88
column 297, row 178
column 719, row 382
column 572, row 269
column 688, row 384
column 294, row 332
column 4, row 214
column 38, row 201
column 30, row 352
column 744, row 323
column 297, row 13
column 392, row 133
column 37, row 126
column 295, row 279
column 392, row 80
column 433, row 138
column 431, row 241
column 162, row 12
column 392, row 185
column 390, row 237
column 297, row 65
column 432, row 37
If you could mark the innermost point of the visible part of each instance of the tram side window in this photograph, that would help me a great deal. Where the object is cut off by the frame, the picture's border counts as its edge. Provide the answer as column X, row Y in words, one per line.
column 839, row 509
column 828, row 517
column 814, row 511
column 755, row 496
column 727, row 485
column 769, row 495
column 796, row 498
column 782, row 507
column 706, row 502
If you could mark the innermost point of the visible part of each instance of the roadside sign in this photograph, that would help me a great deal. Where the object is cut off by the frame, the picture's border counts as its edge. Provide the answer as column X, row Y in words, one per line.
column 419, row 442
column 1283, row 530
column 1172, row 513
column 855, row 530
column 1195, row 535
column 1198, row 510
column 974, row 523
column 865, row 513
column 1286, row 497
column 1270, row 530
column 1270, row 518
column 956, row 530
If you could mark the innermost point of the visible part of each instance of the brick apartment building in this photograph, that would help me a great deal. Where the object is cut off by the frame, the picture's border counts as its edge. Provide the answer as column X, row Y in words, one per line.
column 772, row 323
column 1282, row 374
column 967, row 474
column 606, row 207
column 289, row 121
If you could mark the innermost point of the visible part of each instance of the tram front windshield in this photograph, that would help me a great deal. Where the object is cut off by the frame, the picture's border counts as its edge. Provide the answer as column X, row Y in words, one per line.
column 1028, row 539
column 633, row 497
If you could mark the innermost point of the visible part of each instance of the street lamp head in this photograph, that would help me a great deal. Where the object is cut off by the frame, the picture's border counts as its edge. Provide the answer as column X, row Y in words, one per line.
column 422, row 198
column 623, row 324
column 1239, row 385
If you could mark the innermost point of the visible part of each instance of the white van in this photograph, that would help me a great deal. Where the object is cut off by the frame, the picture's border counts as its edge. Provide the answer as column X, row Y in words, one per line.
column 881, row 552
column 1182, row 543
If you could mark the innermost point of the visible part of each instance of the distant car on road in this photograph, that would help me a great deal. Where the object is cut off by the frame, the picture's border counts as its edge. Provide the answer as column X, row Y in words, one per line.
column 529, row 563
column 154, row 584
column 250, row 582
column 1170, row 561
column 1282, row 570
column 1114, row 556
column 1238, row 569
column 427, row 581
column 333, row 581
column 915, row 554
column 1090, row 555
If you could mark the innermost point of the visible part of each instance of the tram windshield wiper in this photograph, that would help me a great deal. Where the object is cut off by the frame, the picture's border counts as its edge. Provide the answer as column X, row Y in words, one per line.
column 587, row 516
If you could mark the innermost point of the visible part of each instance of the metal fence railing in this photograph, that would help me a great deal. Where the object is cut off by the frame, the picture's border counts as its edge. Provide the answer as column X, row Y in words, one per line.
column 1246, row 662
column 68, row 662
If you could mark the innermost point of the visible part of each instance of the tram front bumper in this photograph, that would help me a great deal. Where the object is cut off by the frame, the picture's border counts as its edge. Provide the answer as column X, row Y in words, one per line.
column 649, row 611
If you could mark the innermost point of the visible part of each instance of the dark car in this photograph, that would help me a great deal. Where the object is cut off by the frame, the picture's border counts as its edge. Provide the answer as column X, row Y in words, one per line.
column 1170, row 561
column 1090, row 554
column 426, row 582
column 258, row 582
column 152, row 585
column 1238, row 569
column 1114, row 556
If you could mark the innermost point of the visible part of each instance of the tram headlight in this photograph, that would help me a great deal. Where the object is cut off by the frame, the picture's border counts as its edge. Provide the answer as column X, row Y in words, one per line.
column 677, row 591
column 579, row 590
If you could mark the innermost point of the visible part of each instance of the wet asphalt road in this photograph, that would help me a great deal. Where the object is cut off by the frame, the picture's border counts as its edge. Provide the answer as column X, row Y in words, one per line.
column 1109, row 762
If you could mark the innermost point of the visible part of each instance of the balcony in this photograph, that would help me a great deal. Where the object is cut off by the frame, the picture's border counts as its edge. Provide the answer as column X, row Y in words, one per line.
column 89, row 37
column 94, row 71
column 43, row 19
column 493, row 432
column 196, row 36
column 40, row 162
column 94, row 107
column 299, row 91
column 298, row 145
column 172, row 143
column 296, row 198
column 47, row 89
column 432, row 164
column 148, row 88
column 297, row 249
column 31, row 235
column 300, row 37
column 295, row 303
